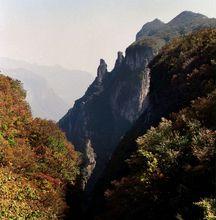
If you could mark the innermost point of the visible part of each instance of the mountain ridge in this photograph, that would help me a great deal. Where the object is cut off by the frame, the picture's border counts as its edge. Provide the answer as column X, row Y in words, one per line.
column 185, row 22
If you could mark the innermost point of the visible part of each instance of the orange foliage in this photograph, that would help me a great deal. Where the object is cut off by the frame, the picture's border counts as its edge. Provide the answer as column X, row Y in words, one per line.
column 36, row 160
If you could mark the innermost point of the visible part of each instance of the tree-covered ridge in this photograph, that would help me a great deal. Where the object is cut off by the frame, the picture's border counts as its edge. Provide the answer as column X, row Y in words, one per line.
column 36, row 161
column 172, row 174
column 156, row 33
column 168, row 171
column 184, row 70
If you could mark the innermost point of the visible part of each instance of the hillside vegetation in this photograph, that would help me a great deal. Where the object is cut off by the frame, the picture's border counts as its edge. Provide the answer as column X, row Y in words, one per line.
column 36, row 161
column 171, row 167
column 173, row 171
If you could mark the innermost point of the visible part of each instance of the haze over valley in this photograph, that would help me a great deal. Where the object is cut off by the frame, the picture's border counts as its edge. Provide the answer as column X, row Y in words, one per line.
column 107, row 110
column 51, row 90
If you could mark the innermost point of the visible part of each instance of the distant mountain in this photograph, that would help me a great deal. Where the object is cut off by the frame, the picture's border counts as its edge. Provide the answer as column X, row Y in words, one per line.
column 187, row 18
column 151, row 28
column 183, row 23
column 116, row 99
column 68, row 84
column 44, row 102
column 60, row 86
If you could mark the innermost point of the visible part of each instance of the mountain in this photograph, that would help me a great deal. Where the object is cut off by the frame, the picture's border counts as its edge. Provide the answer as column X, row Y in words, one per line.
column 150, row 28
column 168, row 171
column 44, row 102
column 183, row 23
column 186, row 18
column 37, row 164
column 63, row 86
column 115, row 100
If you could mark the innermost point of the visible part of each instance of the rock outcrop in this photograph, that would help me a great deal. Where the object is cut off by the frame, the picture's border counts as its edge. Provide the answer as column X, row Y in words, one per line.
column 111, row 104
column 120, row 60
column 102, row 70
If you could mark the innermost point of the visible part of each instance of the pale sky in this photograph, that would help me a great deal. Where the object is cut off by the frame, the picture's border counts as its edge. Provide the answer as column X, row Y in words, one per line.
column 77, row 33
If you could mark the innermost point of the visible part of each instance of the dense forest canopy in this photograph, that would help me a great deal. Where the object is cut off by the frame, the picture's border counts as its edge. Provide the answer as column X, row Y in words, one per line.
column 36, row 160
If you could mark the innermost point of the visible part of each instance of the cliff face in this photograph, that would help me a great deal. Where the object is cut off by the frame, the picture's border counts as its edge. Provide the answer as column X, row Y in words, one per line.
column 116, row 99
column 109, row 107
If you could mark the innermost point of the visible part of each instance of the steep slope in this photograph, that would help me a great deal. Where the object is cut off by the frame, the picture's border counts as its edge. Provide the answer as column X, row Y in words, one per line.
column 183, row 71
column 113, row 102
column 172, row 174
column 37, row 163
column 44, row 102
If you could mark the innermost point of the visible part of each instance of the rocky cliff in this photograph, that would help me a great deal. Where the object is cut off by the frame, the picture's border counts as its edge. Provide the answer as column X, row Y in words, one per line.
column 116, row 99
column 109, row 107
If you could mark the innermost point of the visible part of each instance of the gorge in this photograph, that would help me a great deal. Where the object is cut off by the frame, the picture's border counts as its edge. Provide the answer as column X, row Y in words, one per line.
column 139, row 144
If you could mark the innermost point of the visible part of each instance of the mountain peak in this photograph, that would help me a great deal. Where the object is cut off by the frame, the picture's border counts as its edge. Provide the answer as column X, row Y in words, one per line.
column 150, row 28
column 102, row 70
column 153, row 24
column 185, row 22
column 190, row 13
column 186, row 17
column 157, row 21
column 120, row 59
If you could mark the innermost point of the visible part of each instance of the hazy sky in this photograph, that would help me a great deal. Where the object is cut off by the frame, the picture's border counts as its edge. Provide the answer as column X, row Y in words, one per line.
column 77, row 33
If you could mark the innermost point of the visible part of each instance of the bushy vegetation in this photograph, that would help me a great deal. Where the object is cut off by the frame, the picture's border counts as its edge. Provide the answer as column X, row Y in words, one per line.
column 173, row 171
column 171, row 167
column 185, row 67
column 36, row 161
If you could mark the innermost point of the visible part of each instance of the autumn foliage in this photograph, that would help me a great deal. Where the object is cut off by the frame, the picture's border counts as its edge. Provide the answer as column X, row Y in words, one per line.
column 36, row 161
column 172, row 173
